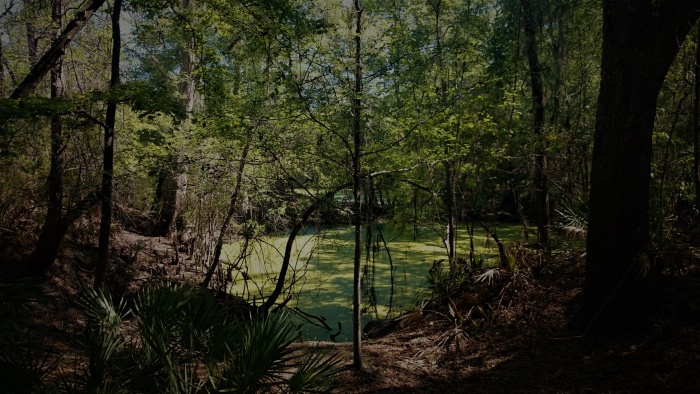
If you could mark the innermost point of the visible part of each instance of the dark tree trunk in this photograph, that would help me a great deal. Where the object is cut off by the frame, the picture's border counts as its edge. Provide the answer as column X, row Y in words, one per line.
column 55, row 52
column 451, row 214
column 108, row 155
column 32, row 41
column 53, row 229
column 2, row 71
column 640, row 40
column 536, row 85
column 696, row 121
column 56, row 223
column 357, row 186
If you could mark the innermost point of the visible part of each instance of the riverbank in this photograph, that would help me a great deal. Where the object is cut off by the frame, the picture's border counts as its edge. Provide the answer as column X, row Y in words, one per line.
column 527, row 345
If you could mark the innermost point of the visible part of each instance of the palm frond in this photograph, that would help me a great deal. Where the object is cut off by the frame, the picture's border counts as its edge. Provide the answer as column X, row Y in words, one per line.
column 316, row 373
column 573, row 220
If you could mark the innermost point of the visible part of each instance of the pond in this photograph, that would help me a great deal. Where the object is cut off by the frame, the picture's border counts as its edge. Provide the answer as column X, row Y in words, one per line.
column 395, row 268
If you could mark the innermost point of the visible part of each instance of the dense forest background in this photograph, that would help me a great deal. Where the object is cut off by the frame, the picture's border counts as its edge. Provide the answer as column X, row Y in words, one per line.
column 209, row 122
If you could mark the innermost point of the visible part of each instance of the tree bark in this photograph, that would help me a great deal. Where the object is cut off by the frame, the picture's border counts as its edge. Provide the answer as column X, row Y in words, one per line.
column 640, row 40
column 108, row 155
column 175, row 186
column 55, row 52
column 358, row 362
column 52, row 232
column 56, row 223
column 541, row 177
column 696, row 120
column 2, row 70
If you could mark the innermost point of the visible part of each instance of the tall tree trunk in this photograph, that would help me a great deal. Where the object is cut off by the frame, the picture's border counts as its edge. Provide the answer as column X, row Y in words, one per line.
column 450, row 211
column 2, row 70
column 55, row 52
column 696, row 120
column 536, row 85
column 357, row 186
column 52, row 230
column 175, row 186
column 108, row 155
column 640, row 40
column 56, row 223
column 449, row 164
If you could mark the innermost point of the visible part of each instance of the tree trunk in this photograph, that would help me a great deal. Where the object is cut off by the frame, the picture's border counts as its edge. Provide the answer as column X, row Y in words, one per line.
column 233, row 204
column 52, row 231
column 536, row 85
column 32, row 41
column 108, row 155
column 175, row 186
column 357, row 186
column 55, row 52
column 56, row 223
column 450, row 164
column 696, row 121
column 2, row 70
column 451, row 214
column 640, row 40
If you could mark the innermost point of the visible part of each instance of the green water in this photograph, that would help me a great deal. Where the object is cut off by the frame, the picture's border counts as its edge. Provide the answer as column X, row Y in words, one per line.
column 322, row 269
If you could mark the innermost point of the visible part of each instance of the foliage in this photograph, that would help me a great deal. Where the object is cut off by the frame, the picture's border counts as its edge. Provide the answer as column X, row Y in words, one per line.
column 25, row 361
column 181, row 340
column 574, row 220
column 469, row 303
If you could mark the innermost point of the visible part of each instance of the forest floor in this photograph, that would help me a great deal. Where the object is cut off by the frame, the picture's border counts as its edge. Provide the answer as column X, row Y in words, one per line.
column 526, row 347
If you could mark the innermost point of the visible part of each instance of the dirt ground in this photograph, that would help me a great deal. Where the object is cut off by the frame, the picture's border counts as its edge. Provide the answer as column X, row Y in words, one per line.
column 527, row 346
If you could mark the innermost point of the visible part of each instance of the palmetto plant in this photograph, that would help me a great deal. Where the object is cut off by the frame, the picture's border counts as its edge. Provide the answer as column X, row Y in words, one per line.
column 263, row 358
column 182, row 341
column 24, row 361
column 102, row 338
column 574, row 220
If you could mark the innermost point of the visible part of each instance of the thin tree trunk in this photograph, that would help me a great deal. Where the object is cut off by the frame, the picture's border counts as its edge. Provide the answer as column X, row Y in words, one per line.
column 357, row 167
column 58, row 142
column 108, row 155
column 233, row 204
column 32, row 41
column 449, row 164
column 56, row 224
column 2, row 70
column 450, row 211
column 52, row 231
column 541, row 176
column 55, row 52
column 696, row 121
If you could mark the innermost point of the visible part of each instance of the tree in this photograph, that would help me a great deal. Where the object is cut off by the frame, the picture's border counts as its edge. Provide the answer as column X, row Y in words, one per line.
column 536, row 85
column 696, row 120
column 108, row 154
column 56, row 222
column 357, row 134
column 58, row 47
column 640, row 40
column 173, row 182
